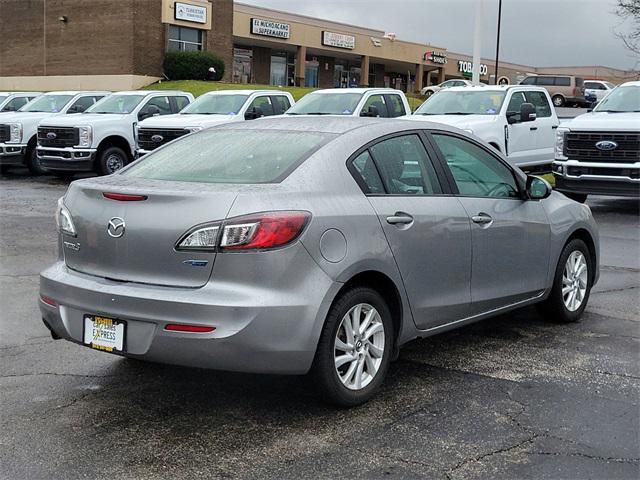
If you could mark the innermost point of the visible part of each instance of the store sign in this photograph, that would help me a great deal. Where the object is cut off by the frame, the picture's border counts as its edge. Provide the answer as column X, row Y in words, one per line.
column 467, row 67
column 435, row 57
column 269, row 28
column 190, row 13
column 338, row 40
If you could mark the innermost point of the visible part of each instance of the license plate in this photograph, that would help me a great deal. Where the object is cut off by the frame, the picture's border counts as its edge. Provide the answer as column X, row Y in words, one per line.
column 103, row 333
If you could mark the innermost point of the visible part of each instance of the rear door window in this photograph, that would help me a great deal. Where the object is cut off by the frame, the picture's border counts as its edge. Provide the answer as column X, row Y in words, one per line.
column 563, row 81
column 546, row 81
column 235, row 156
column 376, row 101
column 281, row 103
column 395, row 106
column 539, row 100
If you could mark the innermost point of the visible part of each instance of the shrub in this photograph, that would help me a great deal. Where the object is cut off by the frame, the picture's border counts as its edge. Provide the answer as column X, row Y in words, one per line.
column 192, row 65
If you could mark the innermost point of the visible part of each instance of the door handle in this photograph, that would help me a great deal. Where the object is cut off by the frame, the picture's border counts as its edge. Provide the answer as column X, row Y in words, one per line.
column 400, row 218
column 554, row 127
column 533, row 128
column 482, row 218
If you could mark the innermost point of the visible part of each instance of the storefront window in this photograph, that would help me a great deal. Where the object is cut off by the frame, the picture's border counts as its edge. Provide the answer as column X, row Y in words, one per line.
column 346, row 75
column 242, row 65
column 184, row 39
column 278, row 70
column 311, row 73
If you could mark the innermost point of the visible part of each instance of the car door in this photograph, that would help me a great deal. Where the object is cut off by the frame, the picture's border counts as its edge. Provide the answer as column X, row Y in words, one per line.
column 510, row 235
column 521, row 139
column 544, row 125
column 427, row 230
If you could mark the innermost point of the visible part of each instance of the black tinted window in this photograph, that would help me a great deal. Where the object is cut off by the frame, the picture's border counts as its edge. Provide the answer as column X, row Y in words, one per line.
column 539, row 100
column 264, row 104
column 405, row 166
column 529, row 81
column 476, row 172
column 545, row 81
column 376, row 101
column 162, row 103
column 395, row 106
column 282, row 103
column 14, row 104
column 563, row 81
column 367, row 173
column 81, row 104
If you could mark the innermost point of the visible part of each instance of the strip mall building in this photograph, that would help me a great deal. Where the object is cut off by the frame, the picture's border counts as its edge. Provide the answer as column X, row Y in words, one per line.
column 120, row 44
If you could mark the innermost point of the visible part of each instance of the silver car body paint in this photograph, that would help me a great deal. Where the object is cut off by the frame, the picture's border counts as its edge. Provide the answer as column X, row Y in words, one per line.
column 269, row 307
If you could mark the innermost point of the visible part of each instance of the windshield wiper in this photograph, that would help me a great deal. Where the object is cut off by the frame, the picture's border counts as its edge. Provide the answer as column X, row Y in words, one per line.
column 458, row 113
column 618, row 111
column 317, row 113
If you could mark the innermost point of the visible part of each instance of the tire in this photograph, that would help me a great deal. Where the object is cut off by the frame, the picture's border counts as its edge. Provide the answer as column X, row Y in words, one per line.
column 33, row 164
column 558, row 100
column 558, row 307
column 427, row 94
column 111, row 160
column 577, row 197
column 325, row 374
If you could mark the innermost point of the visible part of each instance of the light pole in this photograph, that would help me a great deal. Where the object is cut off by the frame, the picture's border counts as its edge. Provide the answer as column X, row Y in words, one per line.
column 477, row 44
column 498, row 40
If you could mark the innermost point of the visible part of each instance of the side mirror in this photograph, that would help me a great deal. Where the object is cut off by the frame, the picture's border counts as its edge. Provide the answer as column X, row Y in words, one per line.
column 255, row 112
column 527, row 112
column 592, row 106
column 538, row 188
column 511, row 118
column 370, row 112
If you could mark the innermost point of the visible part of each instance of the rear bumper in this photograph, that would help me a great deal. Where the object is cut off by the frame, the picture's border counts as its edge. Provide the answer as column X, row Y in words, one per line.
column 597, row 178
column 67, row 158
column 12, row 153
column 258, row 328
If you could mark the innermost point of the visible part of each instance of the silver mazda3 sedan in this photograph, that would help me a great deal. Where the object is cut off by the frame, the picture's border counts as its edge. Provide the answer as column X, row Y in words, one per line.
column 310, row 245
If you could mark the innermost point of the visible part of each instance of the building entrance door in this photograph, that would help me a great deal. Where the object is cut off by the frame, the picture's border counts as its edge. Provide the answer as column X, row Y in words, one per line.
column 278, row 71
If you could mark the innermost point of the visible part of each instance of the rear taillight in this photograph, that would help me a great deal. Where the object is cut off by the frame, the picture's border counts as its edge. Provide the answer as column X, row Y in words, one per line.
column 124, row 197
column 258, row 231
column 48, row 300
column 64, row 220
column 180, row 327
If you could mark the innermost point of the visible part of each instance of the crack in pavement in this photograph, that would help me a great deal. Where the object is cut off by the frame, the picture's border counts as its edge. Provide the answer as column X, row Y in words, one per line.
column 586, row 455
column 18, row 375
column 604, row 372
column 622, row 289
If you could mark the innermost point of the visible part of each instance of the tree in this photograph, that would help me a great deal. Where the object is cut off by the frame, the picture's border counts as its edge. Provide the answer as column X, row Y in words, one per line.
column 629, row 10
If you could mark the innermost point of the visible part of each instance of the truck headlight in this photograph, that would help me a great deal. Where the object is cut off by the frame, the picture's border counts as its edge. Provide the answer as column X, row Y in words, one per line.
column 561, row 134
column 86, row 136
column 15, row 130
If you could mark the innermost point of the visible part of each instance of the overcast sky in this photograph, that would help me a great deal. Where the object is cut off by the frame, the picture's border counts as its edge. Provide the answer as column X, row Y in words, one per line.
column 534, row 32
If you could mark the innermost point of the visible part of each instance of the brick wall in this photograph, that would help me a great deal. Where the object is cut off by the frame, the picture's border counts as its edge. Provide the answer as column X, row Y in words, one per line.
column 325, row 77
column 21, row 48
column 220, row 37
column 149, row 38
column 261, row 66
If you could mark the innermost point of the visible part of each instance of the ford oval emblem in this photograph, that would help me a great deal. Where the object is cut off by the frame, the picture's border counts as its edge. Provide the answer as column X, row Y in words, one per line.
column 606, row 145
column 51, row 136
column 157, row 138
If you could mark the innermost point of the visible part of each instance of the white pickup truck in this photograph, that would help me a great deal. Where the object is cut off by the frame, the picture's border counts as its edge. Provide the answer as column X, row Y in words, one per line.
column 355, row 102
column 519, row 121
column 102, row 138
column 598, row 153
column 209, row 109
column 14, row 101
column 18, row 130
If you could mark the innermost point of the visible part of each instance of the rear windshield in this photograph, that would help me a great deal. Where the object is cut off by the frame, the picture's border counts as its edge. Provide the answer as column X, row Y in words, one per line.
column 229, row 156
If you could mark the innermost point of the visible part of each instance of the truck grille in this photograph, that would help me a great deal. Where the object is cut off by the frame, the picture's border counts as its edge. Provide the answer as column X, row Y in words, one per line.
column 152, row 138
column 582, row 146
column 5, row 133
column 58, row 136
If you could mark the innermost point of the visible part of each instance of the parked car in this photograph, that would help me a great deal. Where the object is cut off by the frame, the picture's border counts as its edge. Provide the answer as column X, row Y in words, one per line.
column 14, row 101
column 564, row 89
column 212, row 108
column 598, row 153
column 597, row 88
column 355, row 102
column 102, row 138
column 308, row 244
column 18, row 130
column 431, row 89
column 516, row 120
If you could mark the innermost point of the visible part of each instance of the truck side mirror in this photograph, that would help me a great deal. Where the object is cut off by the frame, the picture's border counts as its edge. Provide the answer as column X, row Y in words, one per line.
column 255, row 112
column 527, row 112
column 592, row 106
column 370, row 112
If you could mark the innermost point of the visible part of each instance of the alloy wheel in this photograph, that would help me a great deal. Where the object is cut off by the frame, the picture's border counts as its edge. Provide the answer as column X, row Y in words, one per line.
column 359, row 346
column 114, row 163
column 574, row 281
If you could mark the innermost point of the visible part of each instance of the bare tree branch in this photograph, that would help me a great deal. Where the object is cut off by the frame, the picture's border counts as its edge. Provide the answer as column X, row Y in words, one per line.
column 629, row 10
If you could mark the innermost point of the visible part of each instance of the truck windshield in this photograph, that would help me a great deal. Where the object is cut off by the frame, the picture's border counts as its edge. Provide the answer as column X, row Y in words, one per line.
column 48, row 103
column 621, row 100
column 326, row 104
column 216, row 104
column 462, row 103
column 116, row 104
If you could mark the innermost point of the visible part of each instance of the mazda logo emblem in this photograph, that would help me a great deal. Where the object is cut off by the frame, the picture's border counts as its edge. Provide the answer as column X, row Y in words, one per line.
column 606, row 145
column 51, row 136
column 115, row 228
column 157, row 138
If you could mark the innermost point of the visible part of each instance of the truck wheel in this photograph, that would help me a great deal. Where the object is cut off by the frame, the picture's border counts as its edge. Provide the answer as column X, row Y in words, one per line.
column 111, row 160
column 558, row 100
column 571, row 285
column 355, row 348
column 577, row 197
column 33, row 162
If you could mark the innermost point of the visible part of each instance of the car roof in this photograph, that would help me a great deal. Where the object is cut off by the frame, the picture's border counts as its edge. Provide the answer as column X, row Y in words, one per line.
column 77, row 92
column 247, row 91
column 20, row 93
column 357, row 90
column 151, row 92
column 633, row 83
column 330, row 124
column 494, row 88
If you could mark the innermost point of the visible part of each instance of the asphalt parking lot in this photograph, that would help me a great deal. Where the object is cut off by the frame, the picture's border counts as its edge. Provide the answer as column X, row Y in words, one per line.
column 513, row 397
